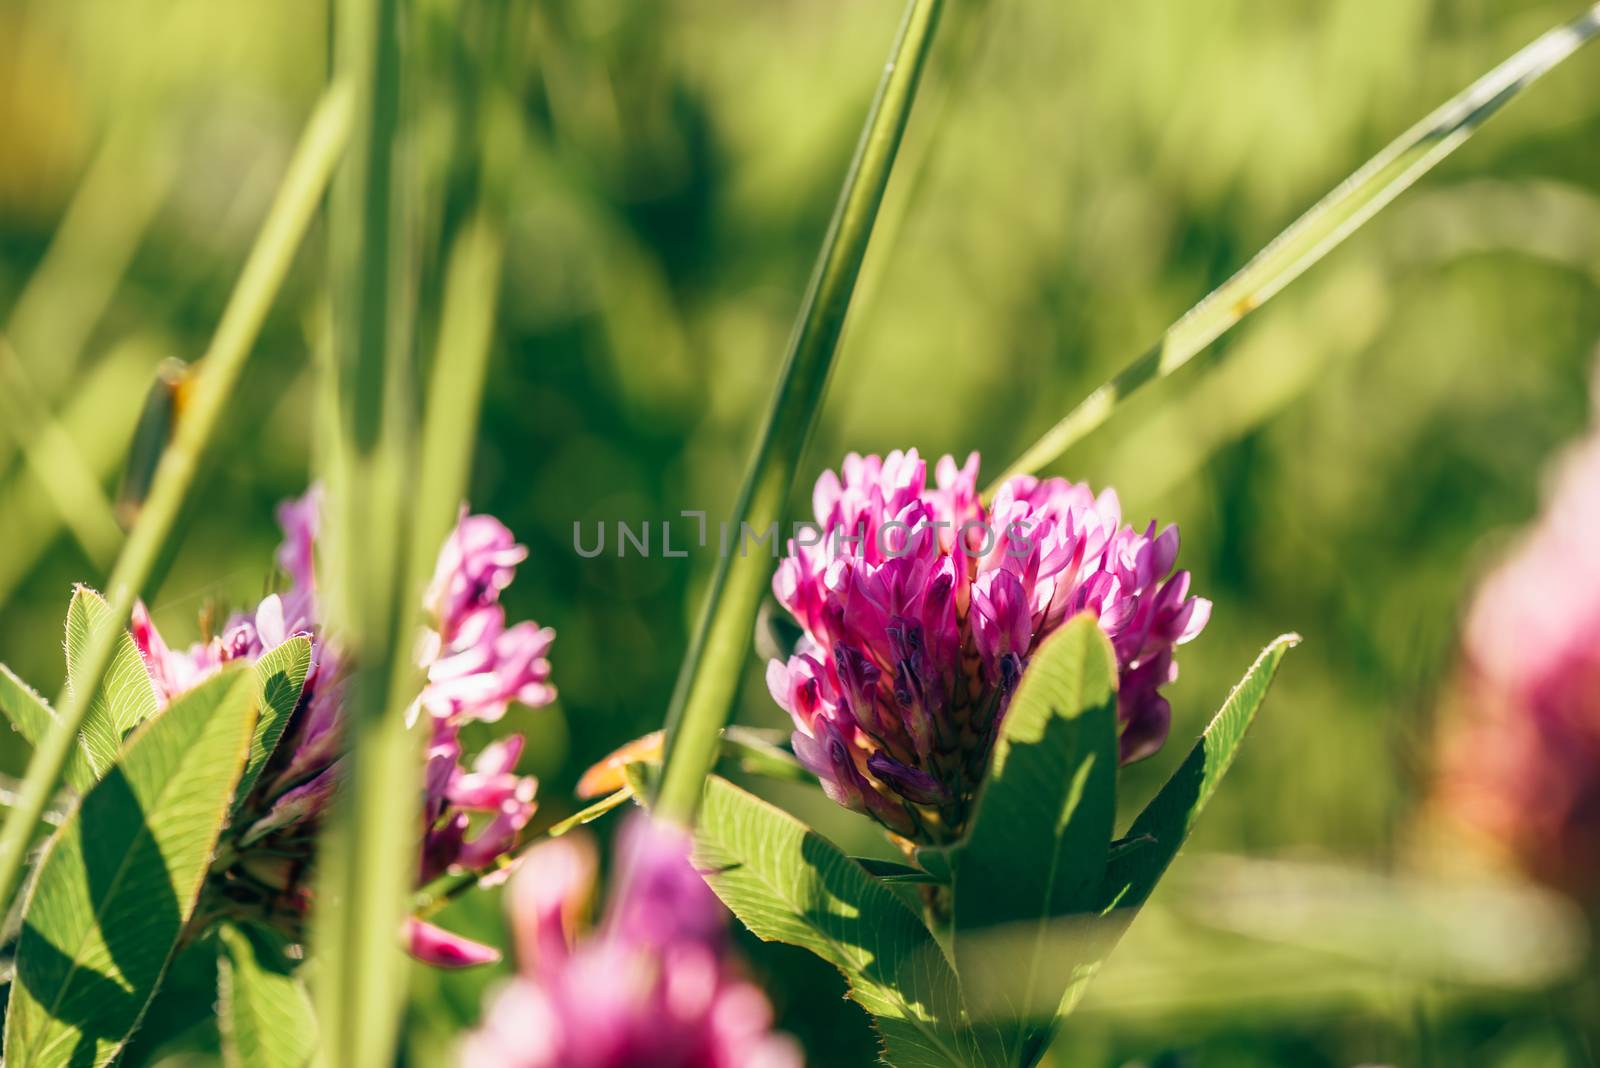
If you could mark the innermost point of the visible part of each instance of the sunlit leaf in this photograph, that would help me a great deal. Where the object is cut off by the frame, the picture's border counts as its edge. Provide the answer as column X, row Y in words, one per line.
column 1138, row 861
column 125, row 699
column 281, row 674
column 1030, row 868
column 120, row 880
column 787, row 883
column 263, row 1010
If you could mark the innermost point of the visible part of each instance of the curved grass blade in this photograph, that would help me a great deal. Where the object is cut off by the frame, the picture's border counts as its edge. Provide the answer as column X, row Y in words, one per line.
column 57, row 465
column 1316, row 233
column 66, row 297
column 98, row 420
column 263, row 274
column 120, row 880
column 757, row 752
column 888, row 871
column 30, row 714
column 709, row 680
column 436, row 895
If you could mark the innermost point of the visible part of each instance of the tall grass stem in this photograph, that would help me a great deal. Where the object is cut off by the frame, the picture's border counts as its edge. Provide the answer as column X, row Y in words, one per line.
column 709, row 679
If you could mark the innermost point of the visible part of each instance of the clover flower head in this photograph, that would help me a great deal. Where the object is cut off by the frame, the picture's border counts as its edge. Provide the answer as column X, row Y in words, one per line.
column 920, row 607
column 473, row 808
column 653, row 985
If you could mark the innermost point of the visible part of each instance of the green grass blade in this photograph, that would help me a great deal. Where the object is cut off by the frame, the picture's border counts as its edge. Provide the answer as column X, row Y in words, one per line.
column 370, row 846
column 29, row 713
column 454, row 396
column 291, row 212
column 53, row 457
column 98, row 420
column 1316, row 233
column 712, row 670
column 66, row 297
column 455, row 388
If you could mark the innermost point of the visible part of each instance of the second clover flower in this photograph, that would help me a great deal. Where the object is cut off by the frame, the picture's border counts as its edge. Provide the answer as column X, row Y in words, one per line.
column 472, row 813
column 920, row 608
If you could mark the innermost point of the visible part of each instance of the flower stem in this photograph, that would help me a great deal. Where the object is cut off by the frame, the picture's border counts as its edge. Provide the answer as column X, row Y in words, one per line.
column 264, row 271
column 709, row 679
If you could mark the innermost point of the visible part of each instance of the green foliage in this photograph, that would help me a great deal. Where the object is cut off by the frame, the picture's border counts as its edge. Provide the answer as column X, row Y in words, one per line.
column 281, row 674
column 119, row 881
column 789, row 884
column 1029, row 870
column 1375, row 407
column 1038, row 891
column 1166, row 821
column 263, row 1009
column 125, row 698
column 1319, row 231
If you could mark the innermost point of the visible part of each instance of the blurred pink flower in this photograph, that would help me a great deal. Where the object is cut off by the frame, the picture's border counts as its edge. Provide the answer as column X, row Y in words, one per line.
column 479, row 559
column 1521, row 765
column 444, row 949
column 920, row 608
column 472, row 811
column 652, row 987
column 477, row 666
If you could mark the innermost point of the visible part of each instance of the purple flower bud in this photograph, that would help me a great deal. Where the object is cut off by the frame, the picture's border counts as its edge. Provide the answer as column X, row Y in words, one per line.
column 436, row 946
column 300, row 805
column 920, row 609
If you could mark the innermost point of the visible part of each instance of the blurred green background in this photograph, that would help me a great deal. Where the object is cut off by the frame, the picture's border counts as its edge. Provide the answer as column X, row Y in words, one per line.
column 1075, row 176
